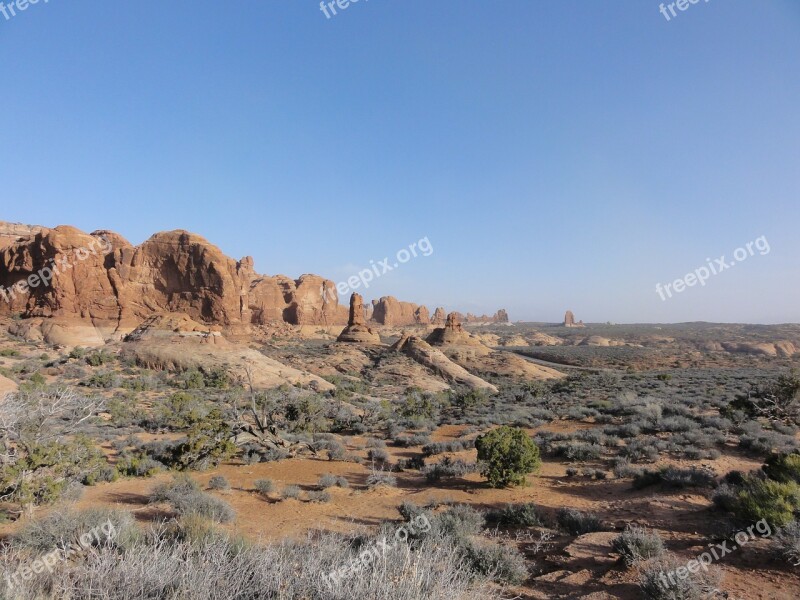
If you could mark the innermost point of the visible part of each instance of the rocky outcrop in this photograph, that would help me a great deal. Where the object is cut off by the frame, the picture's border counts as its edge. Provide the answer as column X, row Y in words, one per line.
column 103, row 280
column 13, row 232
column 175, row 342
column 391, row 312
column 501, row 316
column 439, row 316
column 783, row 349
column 452, row 334
column 569, row 320
column 357, row 331
column 434, row 359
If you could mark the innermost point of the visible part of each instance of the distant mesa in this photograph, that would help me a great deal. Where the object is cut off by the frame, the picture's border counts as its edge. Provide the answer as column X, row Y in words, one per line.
column 357, row 331
column 569, row 320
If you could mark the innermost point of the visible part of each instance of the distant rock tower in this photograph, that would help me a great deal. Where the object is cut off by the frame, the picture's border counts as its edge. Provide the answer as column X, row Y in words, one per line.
column 569, row 320
column 357, row 331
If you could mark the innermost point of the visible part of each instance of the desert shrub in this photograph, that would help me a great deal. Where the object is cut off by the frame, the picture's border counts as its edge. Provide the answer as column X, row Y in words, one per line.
column 577, row 451
column 498, row 562
column 102, row 380
column 185, row 496
column 725, row 496
column 208, row 442
column 784, row 468
column 137, row 464
column 575, row 522
column 407, row 441
column 674, row 477
column 508, row 455
column 572, row 472
column 459, row 521
column 378, row 455
column 623, row 469
column 448, row 468
column 677, row 423
column 658, row 580
column 416, row 463
column 97, row 359
column 378, row 478
column 197, row 564
column 778, row 400
column 640, row 450
column 329, row 481
column 109, row 527
column 787, row 543
column 409, row 511
column 772, row 501
column 9, row 353
column 515, row 515
column 290, row 492
column 450, row 446
column 318, row 496
column 218, row 482
column 105, row 474
column 636, row 544
column 264, row 486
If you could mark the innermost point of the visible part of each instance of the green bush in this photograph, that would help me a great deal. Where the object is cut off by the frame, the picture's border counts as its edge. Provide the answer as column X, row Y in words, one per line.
column 575, row 522
column 185, row 496
column 773, row 501
column 784, row 468
column 264, row 486
column 508, row 454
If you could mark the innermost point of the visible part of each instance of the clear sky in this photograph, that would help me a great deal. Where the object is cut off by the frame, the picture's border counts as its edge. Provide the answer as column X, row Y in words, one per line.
column 562, row 154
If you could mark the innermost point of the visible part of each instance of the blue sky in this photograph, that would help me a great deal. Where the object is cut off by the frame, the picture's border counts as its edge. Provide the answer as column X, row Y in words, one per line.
column 563, row 154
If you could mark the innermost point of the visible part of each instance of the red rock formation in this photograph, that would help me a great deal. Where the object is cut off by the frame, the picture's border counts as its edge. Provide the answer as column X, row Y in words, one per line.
column 452, row 334
column 569, row 320
column 501, row 316
column 391, row 312
column 357, row 330
column 103, row 279
column 439, row 316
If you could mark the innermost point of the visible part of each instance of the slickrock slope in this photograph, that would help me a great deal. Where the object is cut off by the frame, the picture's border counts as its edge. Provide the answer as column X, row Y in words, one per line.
column 175, row 342
column 435, row 360
column 6, row 386
column 357, row 330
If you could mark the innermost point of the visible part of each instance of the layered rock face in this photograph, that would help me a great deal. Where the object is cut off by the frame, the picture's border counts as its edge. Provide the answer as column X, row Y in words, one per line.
column 103, row 279
column 391, row 312
column 357, row 331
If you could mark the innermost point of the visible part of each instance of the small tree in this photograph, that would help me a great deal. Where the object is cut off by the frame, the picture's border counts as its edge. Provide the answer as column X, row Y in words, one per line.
column 508, row 454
